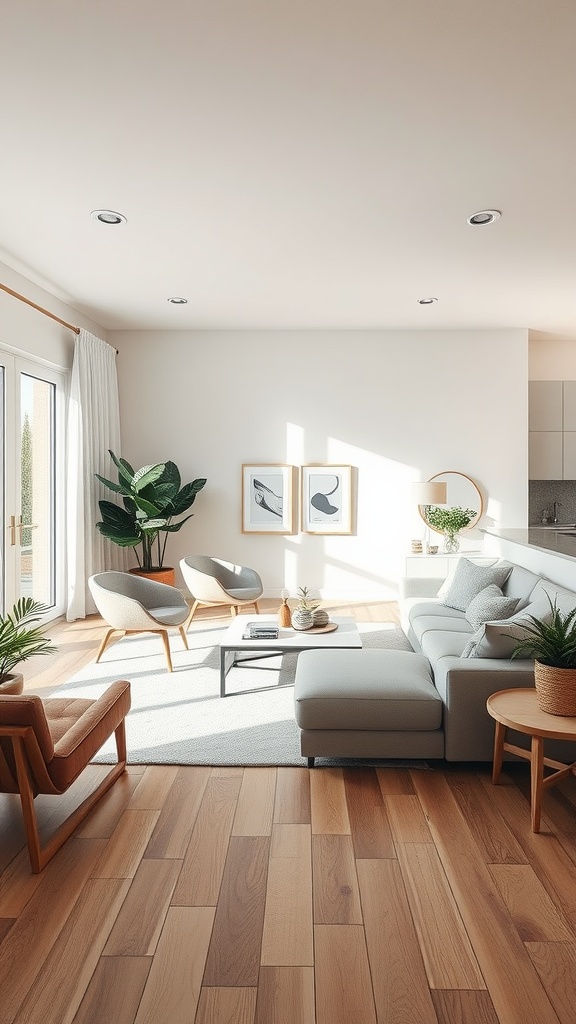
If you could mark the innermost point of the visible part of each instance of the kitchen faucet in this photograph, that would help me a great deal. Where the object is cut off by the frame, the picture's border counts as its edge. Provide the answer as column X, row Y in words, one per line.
column 555, row 505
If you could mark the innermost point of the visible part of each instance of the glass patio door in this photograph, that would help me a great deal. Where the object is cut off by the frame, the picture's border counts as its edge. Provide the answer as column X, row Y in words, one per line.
column 32, row 550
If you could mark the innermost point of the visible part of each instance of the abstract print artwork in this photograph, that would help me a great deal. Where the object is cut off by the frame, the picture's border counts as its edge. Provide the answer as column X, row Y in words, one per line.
column 327, row 499
column 267, row 498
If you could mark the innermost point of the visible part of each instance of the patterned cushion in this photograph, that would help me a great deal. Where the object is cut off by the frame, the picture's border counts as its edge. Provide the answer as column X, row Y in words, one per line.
column 488, row 605
column 469, row 579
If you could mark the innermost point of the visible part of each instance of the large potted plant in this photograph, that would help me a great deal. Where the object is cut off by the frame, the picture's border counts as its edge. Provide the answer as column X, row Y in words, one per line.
column 552, row 642
column 20, row 639
column 151, row 499
column 450, row 521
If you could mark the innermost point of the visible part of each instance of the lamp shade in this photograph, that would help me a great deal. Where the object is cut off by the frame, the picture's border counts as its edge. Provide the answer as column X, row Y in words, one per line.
column 429, row 492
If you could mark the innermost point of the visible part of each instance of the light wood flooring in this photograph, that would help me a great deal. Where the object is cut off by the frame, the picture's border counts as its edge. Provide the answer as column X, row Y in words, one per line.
column 287, row 896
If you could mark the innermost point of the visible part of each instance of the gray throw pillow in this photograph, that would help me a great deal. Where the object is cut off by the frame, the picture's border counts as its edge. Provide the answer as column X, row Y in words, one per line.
column 489, row 605
column 469, row 579
column 497, row 639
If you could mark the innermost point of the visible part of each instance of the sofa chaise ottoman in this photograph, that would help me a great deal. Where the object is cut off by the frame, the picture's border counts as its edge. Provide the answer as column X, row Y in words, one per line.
column 367, row 704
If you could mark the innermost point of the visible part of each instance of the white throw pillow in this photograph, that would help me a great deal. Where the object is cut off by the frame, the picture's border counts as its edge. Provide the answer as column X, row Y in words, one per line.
column 469, row 579
column 497, row 639
column 489, row 605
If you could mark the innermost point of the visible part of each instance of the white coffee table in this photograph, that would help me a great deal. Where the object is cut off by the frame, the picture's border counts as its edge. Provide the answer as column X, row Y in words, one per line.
column 289, row 640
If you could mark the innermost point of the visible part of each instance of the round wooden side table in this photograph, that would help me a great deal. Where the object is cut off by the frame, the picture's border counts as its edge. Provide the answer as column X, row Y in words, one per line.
column 519, row 710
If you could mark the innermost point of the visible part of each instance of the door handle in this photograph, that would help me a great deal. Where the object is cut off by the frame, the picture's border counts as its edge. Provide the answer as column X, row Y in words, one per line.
column 19, row 526
column 24, row 526
column 12, row 529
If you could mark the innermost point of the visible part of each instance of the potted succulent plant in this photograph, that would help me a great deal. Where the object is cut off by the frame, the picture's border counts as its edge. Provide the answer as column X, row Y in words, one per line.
column 151, row 499
column 552, row 642
column 303, row 614
column 20, row 639
column 450, row 521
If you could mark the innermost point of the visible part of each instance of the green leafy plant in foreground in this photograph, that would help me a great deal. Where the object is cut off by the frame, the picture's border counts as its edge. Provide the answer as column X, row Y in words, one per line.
column 551, row 641
column 20, row 639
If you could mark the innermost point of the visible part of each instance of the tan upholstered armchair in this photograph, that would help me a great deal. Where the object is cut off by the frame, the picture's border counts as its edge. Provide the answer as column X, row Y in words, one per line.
column 135, row 604
column 214, row 582
column 46, row 744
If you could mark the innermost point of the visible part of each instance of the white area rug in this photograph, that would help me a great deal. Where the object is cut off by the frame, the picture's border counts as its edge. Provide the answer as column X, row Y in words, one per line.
column 180, row 718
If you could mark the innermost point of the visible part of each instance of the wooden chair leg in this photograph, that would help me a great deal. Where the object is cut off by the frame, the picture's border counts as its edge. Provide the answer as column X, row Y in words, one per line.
column 182, row 632
column 120, row 737
column 165, row 641
column 233, row 610
column 104, row 643
column 256, row 608
column 191, row 615
column 40, row 856
column 27, row 803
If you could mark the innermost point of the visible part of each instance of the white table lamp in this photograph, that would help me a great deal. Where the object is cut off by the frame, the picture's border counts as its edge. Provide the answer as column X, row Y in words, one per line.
column 426, row 493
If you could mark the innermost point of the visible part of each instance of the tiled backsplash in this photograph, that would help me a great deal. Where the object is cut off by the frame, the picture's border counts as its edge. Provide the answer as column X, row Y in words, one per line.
column 542, row 494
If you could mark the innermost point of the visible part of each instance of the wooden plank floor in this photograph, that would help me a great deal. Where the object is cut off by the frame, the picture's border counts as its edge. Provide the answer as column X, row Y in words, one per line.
column 285, row 896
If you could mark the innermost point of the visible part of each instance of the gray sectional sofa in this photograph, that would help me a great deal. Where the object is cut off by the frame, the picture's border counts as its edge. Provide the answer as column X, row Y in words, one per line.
column 470, row 659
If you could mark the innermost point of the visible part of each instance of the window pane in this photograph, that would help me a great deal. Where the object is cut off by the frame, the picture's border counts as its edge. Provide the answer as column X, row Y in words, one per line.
column 37, row 489
column 2, row 497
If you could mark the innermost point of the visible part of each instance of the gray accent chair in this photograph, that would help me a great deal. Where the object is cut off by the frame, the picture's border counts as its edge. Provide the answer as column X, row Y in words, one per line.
column 216, row 583
column 135, row 604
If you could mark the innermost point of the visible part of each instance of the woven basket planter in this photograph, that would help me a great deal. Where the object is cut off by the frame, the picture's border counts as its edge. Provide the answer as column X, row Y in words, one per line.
column 555, row 689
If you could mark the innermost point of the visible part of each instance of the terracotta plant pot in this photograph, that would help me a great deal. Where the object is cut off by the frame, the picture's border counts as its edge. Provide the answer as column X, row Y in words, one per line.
column 13, row 684
column 555, row 689
column 160, row 575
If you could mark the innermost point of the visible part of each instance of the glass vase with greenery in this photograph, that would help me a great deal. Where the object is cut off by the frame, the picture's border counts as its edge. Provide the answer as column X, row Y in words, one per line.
column 450, row 521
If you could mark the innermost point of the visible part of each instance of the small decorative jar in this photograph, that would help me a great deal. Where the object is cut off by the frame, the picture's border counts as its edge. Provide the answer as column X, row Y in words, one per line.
column 302, row 618
column 284, row 613
column 321, row 617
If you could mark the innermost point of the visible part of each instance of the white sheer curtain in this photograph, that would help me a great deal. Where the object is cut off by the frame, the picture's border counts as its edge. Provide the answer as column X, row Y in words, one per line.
column 93, row 429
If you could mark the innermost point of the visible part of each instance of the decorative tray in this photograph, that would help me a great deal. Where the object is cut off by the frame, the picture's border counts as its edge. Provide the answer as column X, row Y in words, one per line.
column 328, row 628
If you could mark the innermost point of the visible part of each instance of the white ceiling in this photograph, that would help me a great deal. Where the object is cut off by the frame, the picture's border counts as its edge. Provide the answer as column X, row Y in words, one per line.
column 293, row 163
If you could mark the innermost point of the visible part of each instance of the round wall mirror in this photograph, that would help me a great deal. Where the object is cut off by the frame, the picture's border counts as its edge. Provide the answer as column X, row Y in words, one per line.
column 461, row 491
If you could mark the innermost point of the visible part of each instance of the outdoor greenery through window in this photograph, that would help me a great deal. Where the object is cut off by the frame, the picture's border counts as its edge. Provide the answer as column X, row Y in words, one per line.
column 37, row 488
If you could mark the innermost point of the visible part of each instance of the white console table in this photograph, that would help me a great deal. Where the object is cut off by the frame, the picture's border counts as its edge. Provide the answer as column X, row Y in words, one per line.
column 442, row 565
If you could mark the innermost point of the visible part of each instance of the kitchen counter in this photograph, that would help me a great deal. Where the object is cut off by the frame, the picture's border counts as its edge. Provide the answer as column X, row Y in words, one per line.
column 550, row 554
column 541, row 539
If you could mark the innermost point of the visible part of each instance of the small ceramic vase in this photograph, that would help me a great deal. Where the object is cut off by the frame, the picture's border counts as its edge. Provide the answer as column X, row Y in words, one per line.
column 284, row 614
column 302, row 618
column 321, row 617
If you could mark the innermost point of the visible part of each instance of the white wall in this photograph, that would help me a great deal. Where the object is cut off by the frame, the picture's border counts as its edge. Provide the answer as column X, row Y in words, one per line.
column 26, row 331
column 400, row 406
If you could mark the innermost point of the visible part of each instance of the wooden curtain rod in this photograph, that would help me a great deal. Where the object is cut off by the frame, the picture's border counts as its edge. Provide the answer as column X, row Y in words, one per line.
column 39, row 308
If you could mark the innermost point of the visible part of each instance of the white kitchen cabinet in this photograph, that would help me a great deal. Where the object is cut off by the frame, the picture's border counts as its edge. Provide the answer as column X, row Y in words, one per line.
column 569, row 455
column 552, row 437
column 545, row 457
column 545, row 405
column 569, row 405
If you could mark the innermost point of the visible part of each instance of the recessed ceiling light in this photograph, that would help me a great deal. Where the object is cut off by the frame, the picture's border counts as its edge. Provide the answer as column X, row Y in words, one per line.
column 427, row 302
column 108, row 217
column 177, row 300
column 483, row 217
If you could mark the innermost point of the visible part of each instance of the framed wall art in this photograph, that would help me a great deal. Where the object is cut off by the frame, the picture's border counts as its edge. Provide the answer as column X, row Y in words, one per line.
column 267, row 498
column 326, row 499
